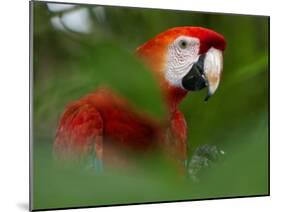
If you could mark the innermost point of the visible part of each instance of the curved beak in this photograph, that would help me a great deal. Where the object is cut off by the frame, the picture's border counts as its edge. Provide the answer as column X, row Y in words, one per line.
column 213, row 67
column 206, row 72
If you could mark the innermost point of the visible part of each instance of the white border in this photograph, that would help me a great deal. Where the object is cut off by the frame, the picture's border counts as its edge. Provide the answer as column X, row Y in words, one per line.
column 14, row 104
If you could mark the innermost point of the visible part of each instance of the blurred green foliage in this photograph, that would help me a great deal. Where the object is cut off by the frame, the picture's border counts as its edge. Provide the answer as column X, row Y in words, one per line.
column 68, row 65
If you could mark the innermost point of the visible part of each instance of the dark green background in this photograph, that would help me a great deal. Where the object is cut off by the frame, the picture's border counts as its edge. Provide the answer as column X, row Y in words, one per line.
column 67, row 65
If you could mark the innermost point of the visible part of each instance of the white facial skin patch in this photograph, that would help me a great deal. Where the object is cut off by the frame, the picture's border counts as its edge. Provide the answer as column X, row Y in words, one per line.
column 182, row 54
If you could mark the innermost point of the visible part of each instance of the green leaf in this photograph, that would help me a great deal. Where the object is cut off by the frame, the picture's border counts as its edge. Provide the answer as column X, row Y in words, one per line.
column 123, row 72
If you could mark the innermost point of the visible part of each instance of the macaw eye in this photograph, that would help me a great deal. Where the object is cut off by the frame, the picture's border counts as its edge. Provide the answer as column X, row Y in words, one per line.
column 183, row 44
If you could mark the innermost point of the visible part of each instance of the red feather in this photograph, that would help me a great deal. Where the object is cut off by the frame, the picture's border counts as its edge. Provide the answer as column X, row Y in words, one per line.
column 106, row 124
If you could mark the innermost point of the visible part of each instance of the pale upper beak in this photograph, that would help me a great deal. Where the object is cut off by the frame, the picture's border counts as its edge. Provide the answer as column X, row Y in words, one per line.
column 205, row 72
column 213, row 66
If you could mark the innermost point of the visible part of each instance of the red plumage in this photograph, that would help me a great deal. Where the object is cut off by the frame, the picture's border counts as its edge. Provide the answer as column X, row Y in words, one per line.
column 106, row 124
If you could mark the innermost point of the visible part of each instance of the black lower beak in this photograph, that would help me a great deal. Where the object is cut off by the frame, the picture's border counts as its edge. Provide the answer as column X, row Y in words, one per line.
column 195, row 80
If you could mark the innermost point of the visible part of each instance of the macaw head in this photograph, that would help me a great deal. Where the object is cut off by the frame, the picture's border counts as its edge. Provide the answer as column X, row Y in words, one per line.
column 186, row 59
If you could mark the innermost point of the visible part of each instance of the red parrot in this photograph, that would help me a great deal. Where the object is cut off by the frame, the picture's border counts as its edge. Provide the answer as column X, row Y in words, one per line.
column 104, row 124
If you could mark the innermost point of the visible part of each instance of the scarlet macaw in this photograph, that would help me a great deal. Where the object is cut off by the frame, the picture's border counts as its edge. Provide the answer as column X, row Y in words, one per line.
column 182, row 59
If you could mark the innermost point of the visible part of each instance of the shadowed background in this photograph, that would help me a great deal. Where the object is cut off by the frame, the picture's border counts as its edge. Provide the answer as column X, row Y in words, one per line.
column 79, row 47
